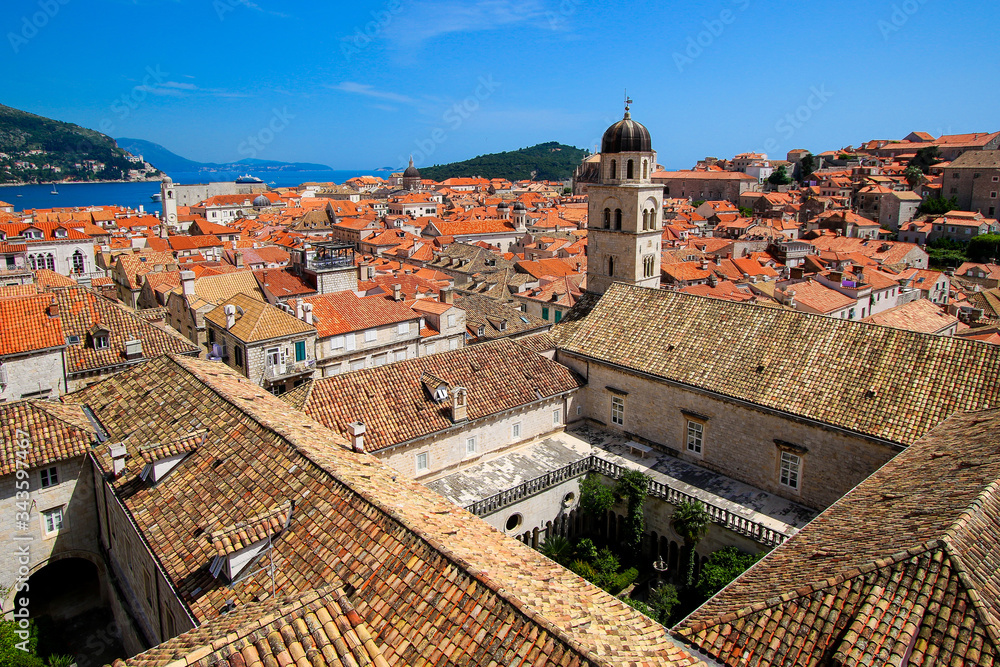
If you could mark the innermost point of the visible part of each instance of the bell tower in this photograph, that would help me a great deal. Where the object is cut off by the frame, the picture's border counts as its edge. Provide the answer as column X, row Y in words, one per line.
column 625, row 210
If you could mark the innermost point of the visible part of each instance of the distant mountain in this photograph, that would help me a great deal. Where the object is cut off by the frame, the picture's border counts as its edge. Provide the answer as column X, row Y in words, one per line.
column 550, row 161
column 171, row 162
column 37, row 149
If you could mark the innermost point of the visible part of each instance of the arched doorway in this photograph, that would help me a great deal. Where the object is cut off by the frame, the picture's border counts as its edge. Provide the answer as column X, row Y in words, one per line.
column 67, row 601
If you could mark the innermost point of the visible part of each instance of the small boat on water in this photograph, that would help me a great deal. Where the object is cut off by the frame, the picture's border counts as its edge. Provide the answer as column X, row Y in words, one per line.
column 54, row 191
column 156, row 197
column 247, row 178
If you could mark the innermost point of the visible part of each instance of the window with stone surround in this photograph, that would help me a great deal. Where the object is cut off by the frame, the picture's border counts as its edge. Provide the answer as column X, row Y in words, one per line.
column 695, row 435
column 423, row 462
column 618, row 410
column 470, row 445
column 515, row 431
column 53, row 521
column 791, row 470
column 49, row 477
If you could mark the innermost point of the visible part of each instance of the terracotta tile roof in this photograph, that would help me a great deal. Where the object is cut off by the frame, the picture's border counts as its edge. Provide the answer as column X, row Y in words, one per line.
column 435, row 584
column 920, row 315
column 482, row 311
column 25, row 325
column 46, row 278
column 55, row 432
column 343, row 312
column 321, row 626
column 216, row 289
column 900, row 571
column 194, row 242
column 80, row 309
column 259, row 320
column 282, row 283
column 884, row 383
column 17, row 291
column 395, row 406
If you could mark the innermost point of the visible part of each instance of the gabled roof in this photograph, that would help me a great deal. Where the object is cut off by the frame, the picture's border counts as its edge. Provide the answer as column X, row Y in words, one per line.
column 218, row 288
column 25, row 325
column 342, row 312
column 55, row 432
column 257, row 320
column 80, row 309
column 394, row 406
column 900, row 571
column 879, row 382
column 435, row 584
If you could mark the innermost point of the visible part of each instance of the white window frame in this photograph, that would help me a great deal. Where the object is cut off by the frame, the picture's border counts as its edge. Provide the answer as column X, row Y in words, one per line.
column 48, row 477
column 52, row 514
column 336, row 343
column 102, row 342
column 617, row 409
column 403, row 329
column 356, row 365
column 371, row 335
column 790, row 470
column 515, row 431
column 695, row 436
column 471, row 447
column 422, row 462
column 557, row 417
column 451, row 320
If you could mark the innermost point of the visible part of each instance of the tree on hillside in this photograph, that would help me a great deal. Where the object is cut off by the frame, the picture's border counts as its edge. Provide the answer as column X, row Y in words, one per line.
column 937, row 206
column 984, row 249
column 807, row 166
column 690, row 521
column 914, row 175
column 779, row 177
column 926, row 158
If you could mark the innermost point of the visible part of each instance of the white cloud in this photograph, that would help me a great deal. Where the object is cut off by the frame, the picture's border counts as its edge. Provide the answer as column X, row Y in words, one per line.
column 426, row 19
column 370, row 91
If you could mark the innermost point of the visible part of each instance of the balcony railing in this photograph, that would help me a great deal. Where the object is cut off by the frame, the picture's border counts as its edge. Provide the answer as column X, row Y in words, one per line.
column 593, row 463
column 281, row 371
column 325, row 263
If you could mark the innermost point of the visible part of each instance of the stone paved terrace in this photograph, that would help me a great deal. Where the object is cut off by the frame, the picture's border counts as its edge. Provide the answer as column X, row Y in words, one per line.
column 539, row 457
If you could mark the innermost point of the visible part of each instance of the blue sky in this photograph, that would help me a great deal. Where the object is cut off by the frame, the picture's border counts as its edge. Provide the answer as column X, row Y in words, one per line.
column 362, row 85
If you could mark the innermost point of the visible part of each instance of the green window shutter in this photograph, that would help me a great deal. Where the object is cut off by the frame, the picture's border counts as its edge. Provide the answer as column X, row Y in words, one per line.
column 300, row 350
column 545, row 313
column 558, row 316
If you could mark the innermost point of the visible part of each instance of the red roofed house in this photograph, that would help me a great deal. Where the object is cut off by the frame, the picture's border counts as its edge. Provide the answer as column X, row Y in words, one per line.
column 31, row 347
column 53, row 246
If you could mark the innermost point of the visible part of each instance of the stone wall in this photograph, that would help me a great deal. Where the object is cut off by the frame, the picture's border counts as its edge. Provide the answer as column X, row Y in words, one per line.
column 36, row 375
column 74, row 493
column 739, row 440
column 447, row 451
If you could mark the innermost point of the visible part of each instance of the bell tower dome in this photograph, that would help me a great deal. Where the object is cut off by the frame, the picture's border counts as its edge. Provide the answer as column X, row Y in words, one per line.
column 625, row 210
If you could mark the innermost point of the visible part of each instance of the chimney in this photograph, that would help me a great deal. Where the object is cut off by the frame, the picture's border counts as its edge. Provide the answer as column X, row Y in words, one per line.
column 239, row 259
column 187, row 283
column 299, row 310
column 397, row 292
column 357, row 431
column 713, row 281
column 53, row 309
column 118, row 456
column 790, row 300
column 718, row 260
column 230, row 311
column 704, row 264
column 308, row 310
column 447, row 295
column 459, row 408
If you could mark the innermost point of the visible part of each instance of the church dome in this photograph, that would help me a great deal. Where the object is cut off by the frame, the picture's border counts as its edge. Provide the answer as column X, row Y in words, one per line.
column 519, row 206
column 261, row 201
column 627, row 136
column 411, row 171
column 502, row 204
